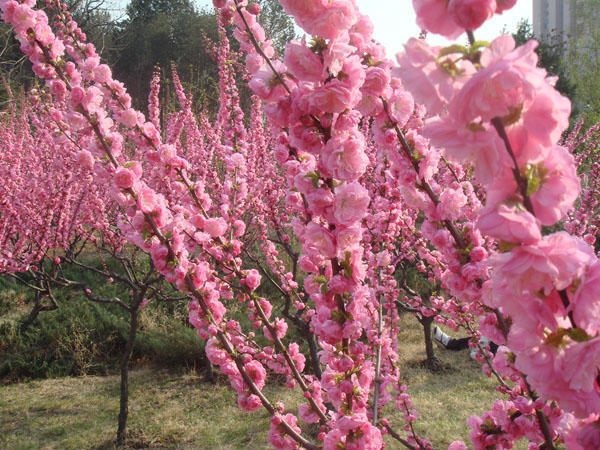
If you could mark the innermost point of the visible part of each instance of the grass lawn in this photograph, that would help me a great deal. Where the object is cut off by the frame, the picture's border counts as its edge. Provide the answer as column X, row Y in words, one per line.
column 179, row 410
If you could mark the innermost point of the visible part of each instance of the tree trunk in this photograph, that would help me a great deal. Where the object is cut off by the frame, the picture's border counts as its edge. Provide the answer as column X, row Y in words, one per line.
column 314, row 357
column 35, row 311
column 124, row 399
column 427, row 321
column 432, row 362
column 210, row 372
column 33, row 314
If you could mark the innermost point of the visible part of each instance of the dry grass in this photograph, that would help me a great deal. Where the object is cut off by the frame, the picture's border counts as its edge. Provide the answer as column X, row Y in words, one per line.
column 166, row 410
column 175, row 410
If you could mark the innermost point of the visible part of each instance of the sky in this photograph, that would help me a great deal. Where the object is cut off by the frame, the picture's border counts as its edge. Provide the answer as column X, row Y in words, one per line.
column 395, row 21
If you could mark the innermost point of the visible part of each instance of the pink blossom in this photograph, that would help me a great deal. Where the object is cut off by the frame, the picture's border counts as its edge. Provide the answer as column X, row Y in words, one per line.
column 451, row 203
column 570, row 254
column 433, row 16
column 589, row 436
column 85, row 159
column 428, row 77
column 200, row 274
column 307, row 265
column 23, row 17
column 77, row 95
column 235, row 161
column 337, row 17
column 383, row 258
column 350, row 205
column 148, row 201
column 306, row 413
column 480, row 146
column 249, row 402
column 471, row 14
column 277, row 437
column 280, row 327
column 319, row 240
column 266, row 85
column 302, row 62
column 345, row 158
column 333, row 97
column 555, row 262
column 478, row 254
column 503, row 5
column 337, row 53
column 586, row 304
column 348, row 239
column 214, row 352
column 102, row 74
column 488, row 326
column 577, row 370
column 510, row 225
column 124, row 178
column 376, row 81
column 361, row 31
column 216, row 226
column 256, row 372
column 254, row 9
column 239, row 228
column 546, row 118
column 129, row 118
column 331, row 331
column 58, row 88
column 303, row 10
column 320, row 201
column 496, row 91
column 558, row 184
column 401, row 106
column 252, row 280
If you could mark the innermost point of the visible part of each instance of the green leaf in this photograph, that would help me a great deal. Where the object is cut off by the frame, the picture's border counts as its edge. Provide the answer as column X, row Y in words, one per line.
column 578, row 335
column 452, row 49
column 479, row 44
column 317, row 45
column 535, row 174
column 314, row 177
column 347, row 266
column 557, row 339
column 338, row 316
column 504, row 246
column 320, row 279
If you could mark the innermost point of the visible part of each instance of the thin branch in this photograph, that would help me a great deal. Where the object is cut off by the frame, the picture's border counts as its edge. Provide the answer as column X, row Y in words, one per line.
column 399, row 438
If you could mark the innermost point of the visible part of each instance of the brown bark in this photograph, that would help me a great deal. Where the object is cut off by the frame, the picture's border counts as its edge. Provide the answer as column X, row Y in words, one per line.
column 124, row 396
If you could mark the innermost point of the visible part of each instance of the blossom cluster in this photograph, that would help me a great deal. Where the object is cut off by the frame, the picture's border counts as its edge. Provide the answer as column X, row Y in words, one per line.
column 494, row 109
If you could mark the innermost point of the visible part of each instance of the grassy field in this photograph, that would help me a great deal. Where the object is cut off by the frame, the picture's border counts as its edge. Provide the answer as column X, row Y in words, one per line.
column 177, row 409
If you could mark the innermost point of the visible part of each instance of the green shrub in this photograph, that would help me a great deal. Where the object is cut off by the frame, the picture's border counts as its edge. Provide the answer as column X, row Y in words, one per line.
column 82, row 337
column 78, row 338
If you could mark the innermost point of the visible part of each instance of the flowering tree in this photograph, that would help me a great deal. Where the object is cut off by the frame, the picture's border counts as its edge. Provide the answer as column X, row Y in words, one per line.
column 54, row 216
column 50, row 206
column 364, row 180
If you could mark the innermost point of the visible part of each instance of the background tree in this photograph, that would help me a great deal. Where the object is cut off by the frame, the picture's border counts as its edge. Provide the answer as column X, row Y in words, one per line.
column 278, row 25
column 94, row 18
column 583, row 59
column 159, row 33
